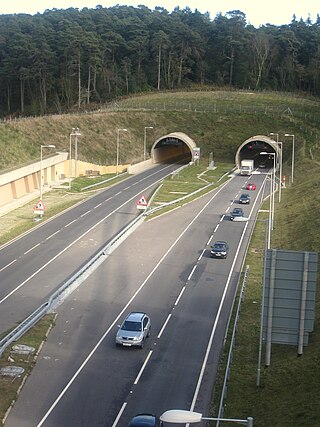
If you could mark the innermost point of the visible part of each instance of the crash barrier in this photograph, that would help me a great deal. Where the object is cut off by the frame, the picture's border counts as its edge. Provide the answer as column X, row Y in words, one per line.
column 232, row 344
column 67, row 287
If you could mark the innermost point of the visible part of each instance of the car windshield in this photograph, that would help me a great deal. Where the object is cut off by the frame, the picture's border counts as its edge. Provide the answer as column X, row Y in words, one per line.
column 218, row 246
column 131, row 326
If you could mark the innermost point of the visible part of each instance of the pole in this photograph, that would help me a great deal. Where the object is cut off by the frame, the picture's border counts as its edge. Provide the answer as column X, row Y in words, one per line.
column 70, row 162
column 76, row 155
column 145, row 144
column 280, row 188
column 292, row 171
column 266, row 246
column 117, row 163
column 41, row 172
column 273, row 188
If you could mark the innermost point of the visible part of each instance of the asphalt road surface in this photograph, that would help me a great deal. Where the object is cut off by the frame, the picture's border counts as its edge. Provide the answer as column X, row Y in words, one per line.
column 34, row 266
column 164, row 268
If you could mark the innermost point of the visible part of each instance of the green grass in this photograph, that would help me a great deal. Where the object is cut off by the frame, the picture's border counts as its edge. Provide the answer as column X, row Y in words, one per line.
column 290, row 387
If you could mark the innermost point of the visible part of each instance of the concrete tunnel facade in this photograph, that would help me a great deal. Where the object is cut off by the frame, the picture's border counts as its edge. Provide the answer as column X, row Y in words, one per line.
column 174, row 146
column 254, row 146
column 179, row 146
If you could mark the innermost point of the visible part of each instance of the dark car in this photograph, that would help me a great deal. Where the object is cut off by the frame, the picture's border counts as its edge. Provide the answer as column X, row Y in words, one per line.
column 219, row 250
column 144, row 420
column 244, row 199
column 236, row 213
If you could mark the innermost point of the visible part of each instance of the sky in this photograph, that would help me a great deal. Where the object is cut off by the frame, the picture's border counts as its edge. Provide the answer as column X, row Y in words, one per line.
column 258, row 12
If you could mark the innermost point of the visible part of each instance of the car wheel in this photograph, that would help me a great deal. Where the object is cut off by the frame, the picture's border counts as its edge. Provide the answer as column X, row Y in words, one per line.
column 142, row 344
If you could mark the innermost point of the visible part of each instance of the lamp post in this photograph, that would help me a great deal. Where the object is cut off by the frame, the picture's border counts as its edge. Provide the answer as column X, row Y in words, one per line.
column 118, row 147
column 145, row 141
column 274, row 134
column 280, row 172
column 272, row 185
column 178, row 416
column 292, row 164
column 41, row 148
column 75, row 132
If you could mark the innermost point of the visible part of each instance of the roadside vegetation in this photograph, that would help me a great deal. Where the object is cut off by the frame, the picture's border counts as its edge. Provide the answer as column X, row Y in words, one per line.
column 290, row 387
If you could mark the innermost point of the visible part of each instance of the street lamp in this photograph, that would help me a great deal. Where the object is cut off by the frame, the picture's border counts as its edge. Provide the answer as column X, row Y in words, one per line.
column 118, row 146
column 177, row 416
column 272, row 185
column 75, row 132
column 41, row 148
column 274, row 134
column 145, row 141
column 280, row 172
column 292, row 164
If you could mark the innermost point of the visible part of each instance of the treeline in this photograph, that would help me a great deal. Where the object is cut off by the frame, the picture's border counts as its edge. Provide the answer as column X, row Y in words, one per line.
column 63, row 60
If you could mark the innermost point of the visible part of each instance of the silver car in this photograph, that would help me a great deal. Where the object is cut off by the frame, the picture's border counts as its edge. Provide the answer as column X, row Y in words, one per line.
column 134, row 330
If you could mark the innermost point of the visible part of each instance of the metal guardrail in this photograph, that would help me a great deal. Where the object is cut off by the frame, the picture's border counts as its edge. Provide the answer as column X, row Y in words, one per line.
column 232, row 343
column 67, row 287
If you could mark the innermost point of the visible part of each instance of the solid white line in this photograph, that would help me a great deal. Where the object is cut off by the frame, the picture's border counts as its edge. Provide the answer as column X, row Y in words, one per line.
column 205, row 360
column 179, row 296
column 123, row 407
column 31, row 249
column 143, row 368
column 8, row 265
column 72, row 243
column 67, row 225
column 192, row 271
column 86, row 360
column 164, row 326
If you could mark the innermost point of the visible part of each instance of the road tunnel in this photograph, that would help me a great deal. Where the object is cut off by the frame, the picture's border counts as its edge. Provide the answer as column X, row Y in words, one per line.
column 260, row 149
column 176, row 146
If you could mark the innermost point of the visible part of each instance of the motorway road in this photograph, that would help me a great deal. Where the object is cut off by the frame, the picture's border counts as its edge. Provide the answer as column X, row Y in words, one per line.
column 34, row 266
column 82, row 379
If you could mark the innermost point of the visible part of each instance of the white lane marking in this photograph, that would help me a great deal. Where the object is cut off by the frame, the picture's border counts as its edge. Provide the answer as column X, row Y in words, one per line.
column 228, row 208
column 205, row 360
column 71, row 244
column 119, row 192
column 216, row 228
column 86, row 360
column 53, row 234
column 210, row 238
column 84, row 214
column 179, row 296
column 164, row 326
column 192, row 271
column 222, row 218
column 123, row 407
column 143, row 368
column 67, row 225
column 201, row 255
column 8, row 265
column 98, row 205
column 31, row 249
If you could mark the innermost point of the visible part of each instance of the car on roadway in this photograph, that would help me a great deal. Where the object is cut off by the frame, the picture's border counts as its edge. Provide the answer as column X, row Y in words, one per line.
column 244, row 199
column 219, row 249
column 251, row 186
column 144, row 420
column 236, row 213
column 135, row 329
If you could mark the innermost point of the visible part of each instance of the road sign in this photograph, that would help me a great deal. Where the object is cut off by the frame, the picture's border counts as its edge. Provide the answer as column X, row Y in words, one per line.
column 196, row 153
column 142, row 203
column 39, row 208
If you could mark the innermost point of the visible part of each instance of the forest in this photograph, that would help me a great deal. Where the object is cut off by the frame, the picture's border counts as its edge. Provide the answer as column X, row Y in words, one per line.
column 78, row 59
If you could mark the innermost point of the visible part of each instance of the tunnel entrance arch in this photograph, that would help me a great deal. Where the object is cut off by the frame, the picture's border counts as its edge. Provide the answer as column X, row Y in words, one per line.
column 254, row 146
column 173, row 147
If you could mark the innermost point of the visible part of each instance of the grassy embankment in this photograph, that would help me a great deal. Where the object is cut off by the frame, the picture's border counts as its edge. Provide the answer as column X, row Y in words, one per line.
column 219, row 122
